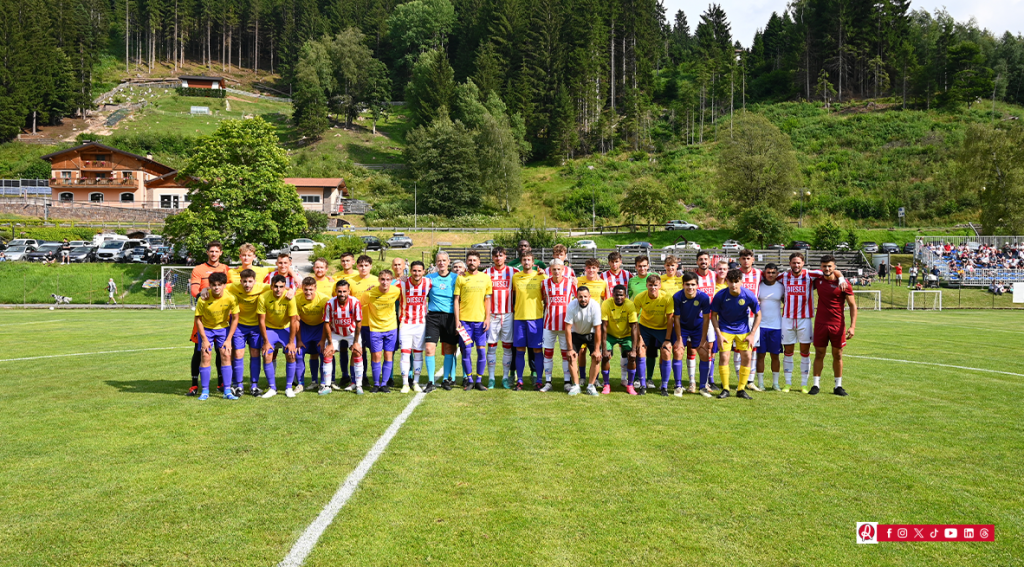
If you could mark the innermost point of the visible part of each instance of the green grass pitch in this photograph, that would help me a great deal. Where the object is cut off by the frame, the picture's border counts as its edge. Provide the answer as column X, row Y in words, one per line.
column 103, row 461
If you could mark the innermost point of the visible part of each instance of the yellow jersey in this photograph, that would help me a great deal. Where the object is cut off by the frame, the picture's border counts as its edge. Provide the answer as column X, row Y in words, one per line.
column 279, row 310
column 261, row 272
column 671, row 285
column 247, row 302
column 357, row 286
column 598, row 288
column 619, row 317
column 216, row 313
column 311, row 311
column 326, row 286
column 719, row 287
column 654, row 312
column 379, row 309
column 528, row 301
column 472, row 292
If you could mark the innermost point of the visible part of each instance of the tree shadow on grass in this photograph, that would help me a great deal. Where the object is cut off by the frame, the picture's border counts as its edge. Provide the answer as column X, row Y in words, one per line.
column 174, row 387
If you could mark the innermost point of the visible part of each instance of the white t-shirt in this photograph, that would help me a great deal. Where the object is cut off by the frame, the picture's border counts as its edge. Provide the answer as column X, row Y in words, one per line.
column 770, row 297
column 583, row 319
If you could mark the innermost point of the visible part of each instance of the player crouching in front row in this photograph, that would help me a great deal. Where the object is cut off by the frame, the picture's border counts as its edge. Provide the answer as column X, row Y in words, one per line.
column 279, row 325
column 216, row 321
column 729, row 315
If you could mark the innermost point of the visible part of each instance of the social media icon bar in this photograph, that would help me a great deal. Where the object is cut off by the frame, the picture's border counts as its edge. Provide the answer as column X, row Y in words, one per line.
column 872, row 532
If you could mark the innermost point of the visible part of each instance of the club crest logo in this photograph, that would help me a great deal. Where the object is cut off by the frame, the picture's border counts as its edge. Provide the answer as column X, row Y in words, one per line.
column 743, row 302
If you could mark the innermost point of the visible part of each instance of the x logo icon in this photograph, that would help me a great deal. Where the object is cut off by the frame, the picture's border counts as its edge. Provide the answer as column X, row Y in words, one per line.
column 919, row 532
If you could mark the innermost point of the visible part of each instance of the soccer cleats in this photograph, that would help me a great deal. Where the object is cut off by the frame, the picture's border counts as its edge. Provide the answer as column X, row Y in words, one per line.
column 839, row 391
column 574, row 390
column 813, row 391
column 724, row 394
column 743, row 394
column 678, row 392
column 546, row 387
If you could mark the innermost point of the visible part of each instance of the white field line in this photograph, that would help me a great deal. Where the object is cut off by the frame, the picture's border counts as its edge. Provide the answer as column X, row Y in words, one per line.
column 32, row 323
column 90, row 353
column 308, row 539
column 962, row 327
column 933, row 364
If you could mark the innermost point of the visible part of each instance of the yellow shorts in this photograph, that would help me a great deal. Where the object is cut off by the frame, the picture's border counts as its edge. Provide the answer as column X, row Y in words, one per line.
column 727, row 340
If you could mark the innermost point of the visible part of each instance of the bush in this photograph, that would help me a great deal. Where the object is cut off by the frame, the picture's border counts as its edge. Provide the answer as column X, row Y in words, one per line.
column 763, row 225
column 316, row 224
column 582, row 204
column 56, row 234
column 827, row 235
column 335, row 247
column 537, row 237
column 193, row 91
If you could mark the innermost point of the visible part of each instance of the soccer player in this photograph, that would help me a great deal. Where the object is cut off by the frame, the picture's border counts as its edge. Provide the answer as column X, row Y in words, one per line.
column 363, row 282
column 399, row 269
column 638, row 283
column 310, row 304
column 522, row 249
column 615, row 275
column 198, row 281
column 770, row 295
column 343, row 317
column 730, row 316
column 440, row 325
column 279, row 327
column 671, row 283
column 216, row 320
column 797, row 311
column 751, row 279
column 656, row 310
column 324, row 283
column 247, row 291
column 557, row 291
column 830, row 322
column 583, row 331
column 500, row 329
column 560, row 252
column 348, row 270
column 619, row 327
column 691, row 320
column 527, row 316
column 415, row 295
column 247, row 257
column 283, row 269
column 598, row 291
column 379, row 308
column 473, row 313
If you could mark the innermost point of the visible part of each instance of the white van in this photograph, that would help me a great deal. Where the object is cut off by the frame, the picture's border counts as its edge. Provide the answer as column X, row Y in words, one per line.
column 99, row 239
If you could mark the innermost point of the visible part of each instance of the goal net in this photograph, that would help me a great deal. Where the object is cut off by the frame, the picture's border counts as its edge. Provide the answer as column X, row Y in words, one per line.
column 925, row 299
column 872, row 297
column 174, row 288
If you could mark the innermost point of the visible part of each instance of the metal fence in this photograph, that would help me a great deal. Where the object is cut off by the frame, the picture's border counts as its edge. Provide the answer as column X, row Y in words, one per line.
column 995, row 241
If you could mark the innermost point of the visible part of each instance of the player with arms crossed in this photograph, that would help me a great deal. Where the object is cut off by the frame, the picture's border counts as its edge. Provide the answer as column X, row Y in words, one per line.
column 310, row 304
column 691, row 320
column 248, row 293
column 279, row 326
column 527, row 316
column 473, row 292
column 770, row 295
column 830, row 322
column 343, row 318
column 730, row 311
column 655, row 332
column 583, row 331
column 216, row 320
column 557, row 291
column 619, row 327
column 500, row 329
column 415, row 294
column 379, row 307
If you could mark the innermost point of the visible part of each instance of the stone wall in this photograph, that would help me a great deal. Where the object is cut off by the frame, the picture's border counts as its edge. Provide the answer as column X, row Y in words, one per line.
column 85, row 212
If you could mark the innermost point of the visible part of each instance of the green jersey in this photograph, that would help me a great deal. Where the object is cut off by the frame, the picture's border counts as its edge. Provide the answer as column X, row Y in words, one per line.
column 636, row 285
column 518, row 264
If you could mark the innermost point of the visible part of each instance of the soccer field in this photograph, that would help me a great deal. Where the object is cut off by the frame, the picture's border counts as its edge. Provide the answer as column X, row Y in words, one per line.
column 103, row 461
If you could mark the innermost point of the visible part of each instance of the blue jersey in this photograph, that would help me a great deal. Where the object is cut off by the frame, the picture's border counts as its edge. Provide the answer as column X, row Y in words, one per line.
column 691, row 312
column 733, row 310
column 442, row 292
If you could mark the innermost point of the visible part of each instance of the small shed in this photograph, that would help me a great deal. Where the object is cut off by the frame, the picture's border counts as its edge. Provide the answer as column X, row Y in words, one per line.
column 200, row 82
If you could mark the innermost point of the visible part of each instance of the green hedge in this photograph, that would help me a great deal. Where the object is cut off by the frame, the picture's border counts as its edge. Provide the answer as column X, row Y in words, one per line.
column 192, row 91
column 49, row 233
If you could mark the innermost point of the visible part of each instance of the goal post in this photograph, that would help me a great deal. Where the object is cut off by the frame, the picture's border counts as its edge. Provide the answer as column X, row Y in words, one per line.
column 874, row 295
column 174, row 284
column 936, row 302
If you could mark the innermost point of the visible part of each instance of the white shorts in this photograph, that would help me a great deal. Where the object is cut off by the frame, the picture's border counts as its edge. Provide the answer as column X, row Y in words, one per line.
column 337, row 340
column 796, row 331
column 549, row 340
column 500, row 330
column 410, row 336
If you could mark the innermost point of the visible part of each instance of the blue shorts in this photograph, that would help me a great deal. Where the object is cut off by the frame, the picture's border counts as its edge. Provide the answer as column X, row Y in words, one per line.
column 364, row 337
column 217, row 337
column 476, row 332
column 652, row 338
column 278, row 337
column 247, row 335
column 528, row 333
column 771, row 341
column 693, row 338
column 310, row 335
column 384, row 341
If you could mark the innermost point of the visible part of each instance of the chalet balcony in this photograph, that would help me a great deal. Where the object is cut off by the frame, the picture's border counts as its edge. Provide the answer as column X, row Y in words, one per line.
column 58, row 183
column 97, row 165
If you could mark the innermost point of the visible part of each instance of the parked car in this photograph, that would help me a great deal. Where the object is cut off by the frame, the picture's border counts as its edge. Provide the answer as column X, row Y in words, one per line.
column 399, row 240
column 485, row 245
column 15, row 253
column 909, row 248
column 890, row 248
column 372, row 243
column 680, row 225
column 681, row 246
column 638, row 246
column 303, row 244
column 154, row 241
column 77, row 243
column 28, row 242
column 45, row 253
column 732, row 246
column 138, row 255
column 116, row 250
column 799, row 245
column 776, row 247
column 585, row 244
column 869, row 246
column 82, row 254
column 843, row 247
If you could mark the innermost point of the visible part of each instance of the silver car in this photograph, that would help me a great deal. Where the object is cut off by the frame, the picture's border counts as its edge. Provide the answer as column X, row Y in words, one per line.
column 15, row 253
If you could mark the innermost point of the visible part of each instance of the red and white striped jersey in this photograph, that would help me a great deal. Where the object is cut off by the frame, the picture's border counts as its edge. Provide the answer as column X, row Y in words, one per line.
column 342, row 317
column 289, row 282
column 414, row 311
column 798, row 303
column 752, row 280
column 501, row 289
column 613, row 280
column 566, row 273
column 556, row 302
column 706, row 283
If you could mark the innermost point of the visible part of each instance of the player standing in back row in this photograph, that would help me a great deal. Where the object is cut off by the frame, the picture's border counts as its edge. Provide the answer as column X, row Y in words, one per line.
column 830, row 323
column 501, row 317
column 557, row 291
